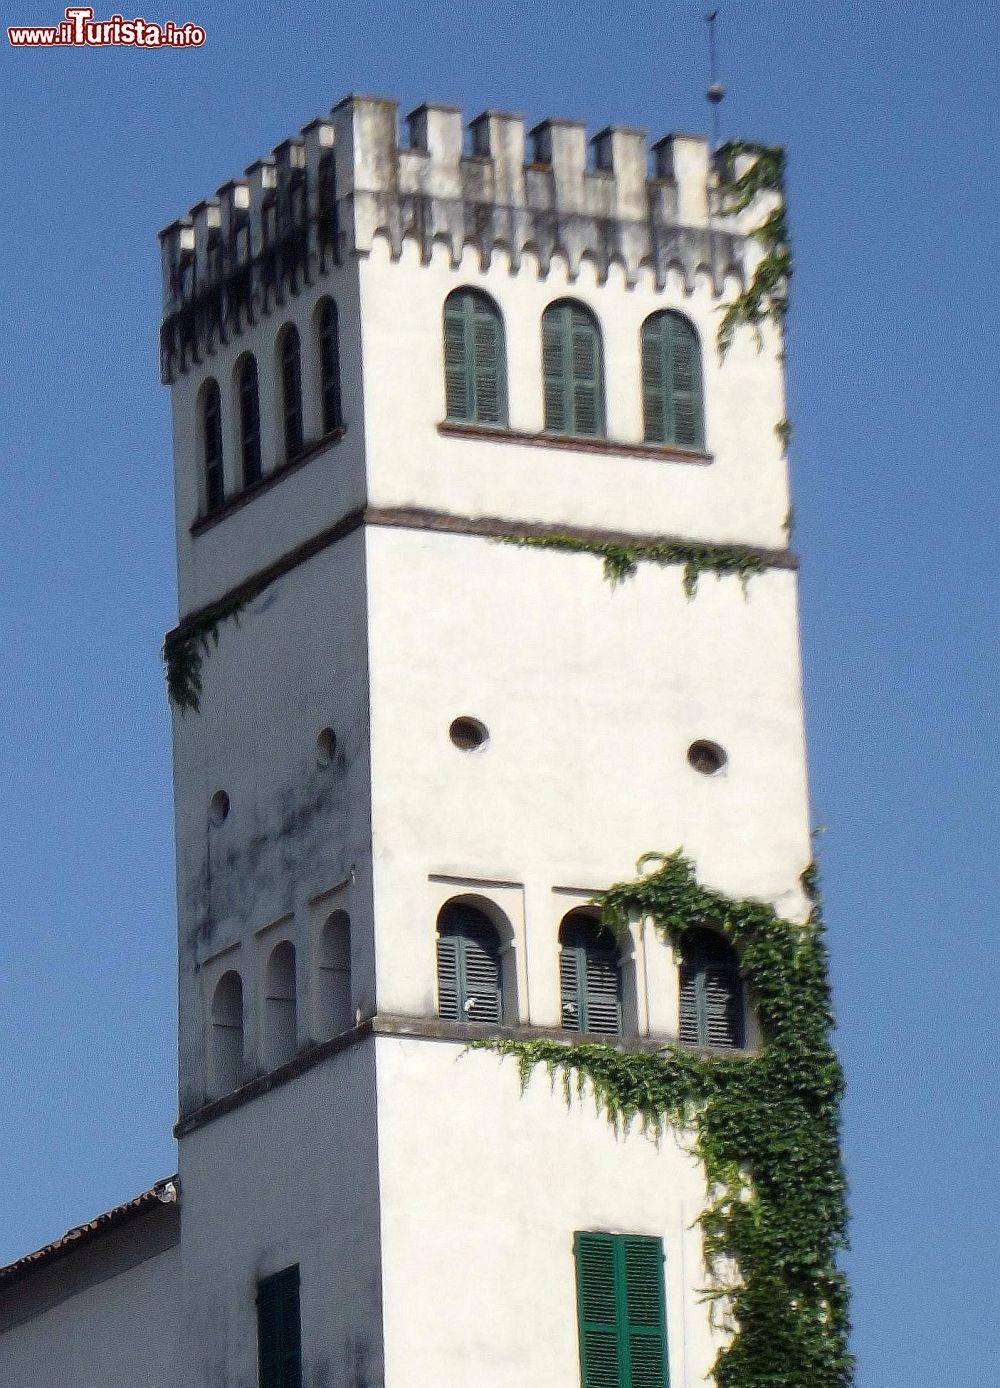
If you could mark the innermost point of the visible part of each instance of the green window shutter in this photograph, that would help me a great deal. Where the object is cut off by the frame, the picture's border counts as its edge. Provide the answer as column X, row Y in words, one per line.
column 690, row 1031
column 711, row 992
column 723, row 1007
column 457, row 376
column 642, row 1265
column 474, row 361
column 447, row 973
column 597, row 1305
column 468, row 963
column 489, row 365
column 673, row 407
column 621, row 1312
column 279, row 1346
column 603, row 991
column 555, row 371
column 571, row 363
column 571, row 965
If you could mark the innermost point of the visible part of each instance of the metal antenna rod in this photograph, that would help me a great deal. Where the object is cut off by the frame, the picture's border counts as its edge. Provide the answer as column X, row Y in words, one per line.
column 716, row 91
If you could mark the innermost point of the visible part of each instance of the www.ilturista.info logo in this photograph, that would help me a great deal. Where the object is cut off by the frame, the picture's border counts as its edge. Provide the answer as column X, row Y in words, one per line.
column 81, row 29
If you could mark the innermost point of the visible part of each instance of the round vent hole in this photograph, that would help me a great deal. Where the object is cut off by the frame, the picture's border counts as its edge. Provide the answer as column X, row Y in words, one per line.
column 218, row 807
column 707, row 757
column 326, row 747
column 468, row 733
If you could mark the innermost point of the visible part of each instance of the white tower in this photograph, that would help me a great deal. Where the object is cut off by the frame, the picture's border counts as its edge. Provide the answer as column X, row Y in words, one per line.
column 412, row 753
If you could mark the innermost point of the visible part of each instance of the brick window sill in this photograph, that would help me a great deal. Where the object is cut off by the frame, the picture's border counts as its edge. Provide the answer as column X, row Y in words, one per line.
column 264, row 484
column 575, row 443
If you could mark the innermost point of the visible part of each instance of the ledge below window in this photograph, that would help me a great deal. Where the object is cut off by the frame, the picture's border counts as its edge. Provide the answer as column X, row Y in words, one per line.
column 265, row 483
column 576, row 443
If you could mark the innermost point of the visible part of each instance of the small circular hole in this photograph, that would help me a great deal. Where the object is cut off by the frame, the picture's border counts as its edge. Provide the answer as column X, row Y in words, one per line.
column 468, row 734
column 707, row 757
column 218, row 807
column 326, row 747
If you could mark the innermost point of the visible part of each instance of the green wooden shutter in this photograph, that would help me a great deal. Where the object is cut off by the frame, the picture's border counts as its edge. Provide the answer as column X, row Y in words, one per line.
column 479, row 977
column 586, row 365
column 597, row 1303
column 555, row 369
column 447, row 973
column 654, row 381
column 457, row 375
column 571, row 964
column 602, row 1001
column 689, row 1029
column 642, row 1265
column 279, row 1346
column 673, row 407
column 620, row 1307
column 685, row 384
column 711, row 992
column 723, row 1007
column 489, row 368
column 571, row 363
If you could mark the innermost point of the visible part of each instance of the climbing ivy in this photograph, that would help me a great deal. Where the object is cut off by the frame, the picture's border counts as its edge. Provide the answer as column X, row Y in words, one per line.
column 765, row 1125
column 184, row 650
column 766, row 296
column 621, row 561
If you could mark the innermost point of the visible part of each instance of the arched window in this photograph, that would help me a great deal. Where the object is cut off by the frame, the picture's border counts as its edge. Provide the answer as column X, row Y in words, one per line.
column 291, row 390
column 468, row 966
column 334, row 1012
column 249, row 395
column 572, row 368
column 475, row 364
column 211, row 438
column 280, row 1023
column 329, row 365
column 711, row 1002
column 226, row 1042
column 672, row 403
column 590, row 976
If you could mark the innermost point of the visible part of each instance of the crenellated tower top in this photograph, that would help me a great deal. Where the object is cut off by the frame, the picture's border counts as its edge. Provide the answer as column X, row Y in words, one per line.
column 327, row 193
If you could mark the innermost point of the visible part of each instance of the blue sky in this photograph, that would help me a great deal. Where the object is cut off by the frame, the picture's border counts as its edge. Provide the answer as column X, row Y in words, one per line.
column 889, row 116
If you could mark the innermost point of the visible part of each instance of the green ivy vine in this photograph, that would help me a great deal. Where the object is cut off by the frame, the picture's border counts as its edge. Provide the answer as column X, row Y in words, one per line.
column 621, row 561
column 765, row 1125
column 766, row 296
column 184, row 650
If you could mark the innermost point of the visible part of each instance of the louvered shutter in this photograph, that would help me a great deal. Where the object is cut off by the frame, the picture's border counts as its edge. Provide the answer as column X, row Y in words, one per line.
column 479, row 978
column 585, row 358
column 489, row 367
column 597, row 1303
column 555, row 370
column 642, row 1261
column 689, row 1029
column 457, row 376
column 278, row 1331
column 447, row 973
column 570, row 961
column 602, row 1003
column 723, row 1007
column 654, row 381
column 685, row 384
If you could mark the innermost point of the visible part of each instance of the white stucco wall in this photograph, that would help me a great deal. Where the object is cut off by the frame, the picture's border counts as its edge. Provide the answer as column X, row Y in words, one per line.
column 742, row 495
column 592, row 696
column 482, row 1190
column 119, row 1332
column 291, row 1178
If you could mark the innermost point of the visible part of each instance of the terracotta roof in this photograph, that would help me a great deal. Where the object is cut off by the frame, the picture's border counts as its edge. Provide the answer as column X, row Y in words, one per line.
column 163, row 1193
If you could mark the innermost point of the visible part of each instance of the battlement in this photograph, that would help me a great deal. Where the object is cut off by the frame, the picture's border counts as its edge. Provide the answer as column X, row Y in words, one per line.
column 328, row 193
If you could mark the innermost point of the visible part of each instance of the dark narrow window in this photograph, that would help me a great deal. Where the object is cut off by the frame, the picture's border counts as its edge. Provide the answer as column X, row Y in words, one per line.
column 291, row 391
column 329, row 366
column 673, row 407
column 620, row 1308
column 211, row 427
column 712, row 1005
column 279, row 1347
column 475, row 367
column 573, row 375
column 590, row 976
column 249, row 421
column 468, row 966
